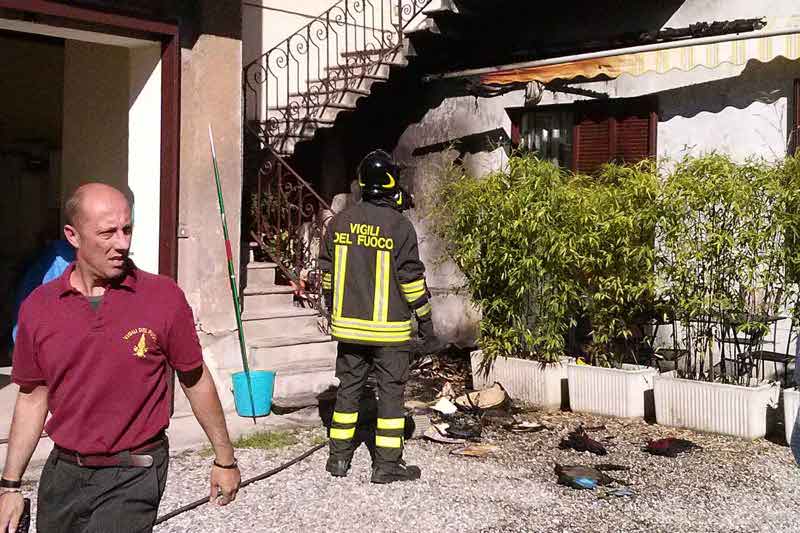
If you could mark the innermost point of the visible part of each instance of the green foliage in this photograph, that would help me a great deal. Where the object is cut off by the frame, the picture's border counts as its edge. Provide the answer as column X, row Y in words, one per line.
column 266, row 440
column 728, row 248
column 508, row 235
column 539, row 246
column 614, row 222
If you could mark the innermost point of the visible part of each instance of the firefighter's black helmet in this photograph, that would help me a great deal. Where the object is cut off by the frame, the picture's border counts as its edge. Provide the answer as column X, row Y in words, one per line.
column 378, row 176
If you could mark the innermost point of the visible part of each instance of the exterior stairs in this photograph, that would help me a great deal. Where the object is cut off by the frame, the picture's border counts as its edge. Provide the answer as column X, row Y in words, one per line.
column 285, row 338
column 290, row 95
column 297, row 88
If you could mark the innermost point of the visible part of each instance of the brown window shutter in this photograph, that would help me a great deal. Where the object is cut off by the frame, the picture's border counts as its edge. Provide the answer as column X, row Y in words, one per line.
column 592, row 143
column 633, row 139
column 624, row 134
column 516, row 127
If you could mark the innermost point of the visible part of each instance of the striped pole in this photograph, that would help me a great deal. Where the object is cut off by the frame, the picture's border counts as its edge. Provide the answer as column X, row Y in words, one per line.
column 232, row 275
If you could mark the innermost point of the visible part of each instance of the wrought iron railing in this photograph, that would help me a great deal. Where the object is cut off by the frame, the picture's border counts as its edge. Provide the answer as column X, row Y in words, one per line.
column 311, row 72
column 289, row 219
column 305, row 80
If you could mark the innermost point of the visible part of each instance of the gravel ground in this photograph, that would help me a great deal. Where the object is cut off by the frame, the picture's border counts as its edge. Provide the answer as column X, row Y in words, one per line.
column 729, row 485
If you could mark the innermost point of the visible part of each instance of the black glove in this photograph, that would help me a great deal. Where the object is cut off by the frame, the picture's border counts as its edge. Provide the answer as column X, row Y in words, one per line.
column 327, row 304
column 431, row 344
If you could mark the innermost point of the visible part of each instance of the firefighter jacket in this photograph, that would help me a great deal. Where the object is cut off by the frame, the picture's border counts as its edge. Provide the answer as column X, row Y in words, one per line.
column 372, row 275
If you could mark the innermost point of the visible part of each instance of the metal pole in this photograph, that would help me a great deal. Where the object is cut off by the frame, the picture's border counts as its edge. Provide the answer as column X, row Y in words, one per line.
column 232, row 275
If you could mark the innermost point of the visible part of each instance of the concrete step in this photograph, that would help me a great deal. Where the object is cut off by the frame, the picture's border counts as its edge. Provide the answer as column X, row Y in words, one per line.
column 260, row 274
column 301, row 390
column 293, row 355
column 265, row 299
column 297, row 320
column 304, row 371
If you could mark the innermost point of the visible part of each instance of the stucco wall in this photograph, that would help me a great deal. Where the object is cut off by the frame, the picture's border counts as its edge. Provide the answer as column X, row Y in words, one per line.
column 264, row 28
column 210, row 94
column 95, row 134
column 454, row 317
column 112, row 116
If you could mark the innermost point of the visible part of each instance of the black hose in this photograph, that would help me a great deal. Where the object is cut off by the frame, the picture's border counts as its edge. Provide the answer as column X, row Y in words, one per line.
column 265, row 475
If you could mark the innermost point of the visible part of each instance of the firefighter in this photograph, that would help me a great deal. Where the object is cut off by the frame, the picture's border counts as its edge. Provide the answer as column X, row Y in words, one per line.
column 373, row 281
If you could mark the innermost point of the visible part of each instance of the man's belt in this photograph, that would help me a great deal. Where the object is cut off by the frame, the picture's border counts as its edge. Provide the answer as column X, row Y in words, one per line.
column 133, row 457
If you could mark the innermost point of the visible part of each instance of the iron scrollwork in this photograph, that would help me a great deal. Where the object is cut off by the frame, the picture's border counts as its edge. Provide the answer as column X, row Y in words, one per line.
column 287, row 92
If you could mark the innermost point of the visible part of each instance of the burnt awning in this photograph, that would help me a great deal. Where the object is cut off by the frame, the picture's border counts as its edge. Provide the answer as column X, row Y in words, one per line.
column 685, row 55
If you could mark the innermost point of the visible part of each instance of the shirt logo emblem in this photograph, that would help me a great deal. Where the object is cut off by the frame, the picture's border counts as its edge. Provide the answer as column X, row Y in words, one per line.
column 140, row 336
column 141, row 347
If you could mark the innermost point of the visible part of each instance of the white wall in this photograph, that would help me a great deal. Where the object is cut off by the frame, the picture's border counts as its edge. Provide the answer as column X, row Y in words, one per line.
column 112, row 131
column 740, row 111
column 311, row 51
column 268, row 27
column 144, row 153
column 95, row 134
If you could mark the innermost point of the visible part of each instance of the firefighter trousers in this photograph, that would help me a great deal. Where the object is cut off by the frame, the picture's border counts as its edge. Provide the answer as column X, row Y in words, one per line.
column 353, row 364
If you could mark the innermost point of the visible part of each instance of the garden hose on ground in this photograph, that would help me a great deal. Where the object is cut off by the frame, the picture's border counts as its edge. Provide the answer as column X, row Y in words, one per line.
column 259, row 477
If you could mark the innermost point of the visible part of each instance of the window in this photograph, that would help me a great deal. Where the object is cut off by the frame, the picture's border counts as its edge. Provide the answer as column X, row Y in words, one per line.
column 549, row 135
column 584, row 135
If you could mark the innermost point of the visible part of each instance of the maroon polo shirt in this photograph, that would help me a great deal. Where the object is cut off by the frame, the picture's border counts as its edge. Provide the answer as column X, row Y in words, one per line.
column 107, row 370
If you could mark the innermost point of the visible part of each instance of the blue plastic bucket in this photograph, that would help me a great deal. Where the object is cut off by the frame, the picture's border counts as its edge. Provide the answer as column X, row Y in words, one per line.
column 262, row 382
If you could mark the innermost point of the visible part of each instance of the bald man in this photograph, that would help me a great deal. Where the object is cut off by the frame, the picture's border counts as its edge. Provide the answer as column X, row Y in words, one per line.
column 96, row 348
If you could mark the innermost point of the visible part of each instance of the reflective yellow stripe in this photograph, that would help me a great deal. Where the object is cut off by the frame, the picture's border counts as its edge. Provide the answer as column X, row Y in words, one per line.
column 388, row 442
column 412, row 297
column 345, row 418
column 359, row 335
column 371, row 324
column 380, row 307
column 378, row 299
column 413, row 286
column 424, row 310
column 391, row 423
column 326, row 281
column 413, row 291
column 326, row 276
column 340, row 269
column 342, row 434
column 378, row 331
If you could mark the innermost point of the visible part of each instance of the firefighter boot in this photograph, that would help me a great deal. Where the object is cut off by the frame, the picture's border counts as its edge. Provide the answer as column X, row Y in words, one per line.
column 391, row 472
column 338, row 467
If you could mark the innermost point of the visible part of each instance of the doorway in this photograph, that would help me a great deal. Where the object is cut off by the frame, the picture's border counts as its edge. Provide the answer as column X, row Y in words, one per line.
column 82, row 106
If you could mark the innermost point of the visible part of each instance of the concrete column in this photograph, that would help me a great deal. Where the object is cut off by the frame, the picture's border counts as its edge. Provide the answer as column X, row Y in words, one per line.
column 210, row 94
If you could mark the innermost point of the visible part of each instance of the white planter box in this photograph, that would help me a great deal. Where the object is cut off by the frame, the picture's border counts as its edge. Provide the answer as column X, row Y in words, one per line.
column 714, row 407
column 524, row 379
column 623, row 392
column 791, row 404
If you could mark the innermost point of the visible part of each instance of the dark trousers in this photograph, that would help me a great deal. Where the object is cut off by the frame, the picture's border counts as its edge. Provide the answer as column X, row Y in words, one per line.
column 353, row 365
column 117, row 499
